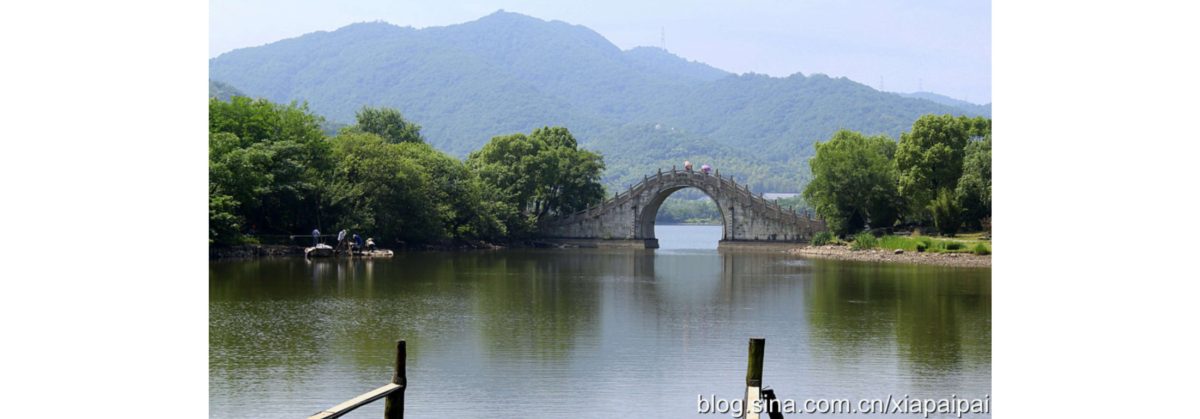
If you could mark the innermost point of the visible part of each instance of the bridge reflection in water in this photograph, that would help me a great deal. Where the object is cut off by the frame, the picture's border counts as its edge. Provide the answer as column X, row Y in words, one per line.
column 523, row 331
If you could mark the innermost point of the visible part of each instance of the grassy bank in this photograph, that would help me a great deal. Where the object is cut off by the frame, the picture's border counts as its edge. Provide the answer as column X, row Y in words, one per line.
column 966, row 243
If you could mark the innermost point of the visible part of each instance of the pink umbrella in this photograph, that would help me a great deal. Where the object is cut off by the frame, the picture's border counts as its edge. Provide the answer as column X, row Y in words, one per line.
column 705, row 168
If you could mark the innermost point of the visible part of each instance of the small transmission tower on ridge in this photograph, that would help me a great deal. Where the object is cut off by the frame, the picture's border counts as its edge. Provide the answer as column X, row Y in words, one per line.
column 663, row 38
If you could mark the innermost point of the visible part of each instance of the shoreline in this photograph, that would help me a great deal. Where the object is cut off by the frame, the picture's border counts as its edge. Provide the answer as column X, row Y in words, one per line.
column 257, row 251
column 959, row 260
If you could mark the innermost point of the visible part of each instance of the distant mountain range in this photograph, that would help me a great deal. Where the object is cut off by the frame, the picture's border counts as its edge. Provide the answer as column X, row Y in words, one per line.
column 642, row 108
column 949, row 101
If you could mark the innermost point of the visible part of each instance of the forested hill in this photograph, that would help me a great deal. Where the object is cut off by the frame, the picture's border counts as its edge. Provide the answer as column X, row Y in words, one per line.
column 985, row 110
column 508, row 73
column 222, row 91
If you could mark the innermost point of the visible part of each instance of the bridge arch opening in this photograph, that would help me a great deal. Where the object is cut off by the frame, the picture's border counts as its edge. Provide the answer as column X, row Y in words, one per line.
column 648, row 214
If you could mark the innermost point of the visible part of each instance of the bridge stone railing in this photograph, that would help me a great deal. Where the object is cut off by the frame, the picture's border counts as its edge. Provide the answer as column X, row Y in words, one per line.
column 629, row 214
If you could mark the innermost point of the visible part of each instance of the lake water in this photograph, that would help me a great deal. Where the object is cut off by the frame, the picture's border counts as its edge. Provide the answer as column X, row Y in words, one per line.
column 589, row 333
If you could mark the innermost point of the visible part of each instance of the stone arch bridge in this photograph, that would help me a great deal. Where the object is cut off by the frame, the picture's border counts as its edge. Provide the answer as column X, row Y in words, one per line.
column 627, row 219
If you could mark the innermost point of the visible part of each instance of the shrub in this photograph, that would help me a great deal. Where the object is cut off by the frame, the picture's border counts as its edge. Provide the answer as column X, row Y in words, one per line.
column 981, row 249
column 864, row 241
column 928, row 242
column 946, row 213
column 822, row 238
column 921, row 246
column 955, row 246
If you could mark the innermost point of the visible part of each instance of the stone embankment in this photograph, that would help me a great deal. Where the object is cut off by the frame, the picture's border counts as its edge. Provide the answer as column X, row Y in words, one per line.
column 253, row 251
column 891, row 256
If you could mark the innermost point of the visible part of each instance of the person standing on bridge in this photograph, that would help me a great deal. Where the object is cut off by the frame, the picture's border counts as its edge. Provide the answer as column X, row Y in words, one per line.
column 687, row 165
column 705, row 169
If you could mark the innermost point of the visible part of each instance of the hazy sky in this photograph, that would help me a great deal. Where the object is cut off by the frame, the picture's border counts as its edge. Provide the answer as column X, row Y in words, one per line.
column 943, row 46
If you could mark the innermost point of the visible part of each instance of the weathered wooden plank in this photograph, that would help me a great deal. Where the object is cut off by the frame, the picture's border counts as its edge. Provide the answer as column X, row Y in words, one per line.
column 349, row 405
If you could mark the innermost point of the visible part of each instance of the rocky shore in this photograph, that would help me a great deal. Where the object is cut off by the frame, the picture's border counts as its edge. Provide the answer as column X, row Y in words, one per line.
column 890, row 256
column 249, row 251
column 253, row 251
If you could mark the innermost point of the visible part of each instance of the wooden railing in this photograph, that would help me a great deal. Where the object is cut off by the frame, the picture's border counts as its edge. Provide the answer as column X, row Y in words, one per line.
column 393, row 392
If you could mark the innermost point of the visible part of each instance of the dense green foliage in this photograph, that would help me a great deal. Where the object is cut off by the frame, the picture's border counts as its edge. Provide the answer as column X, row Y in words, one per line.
column 929, row 158
column 924, row 244
column 265, row 167
column 688, row 211
column 864, row 241
column 939, row 174
column 981, row 249
column 389, row 124
column 409, row 190
column 273, row 171
column 642, row 109
column 947, row 214
column 375, row 188
column 974, row 190
column 540, row 174
column 854, row 182
column 796, row 203
column 822, row 238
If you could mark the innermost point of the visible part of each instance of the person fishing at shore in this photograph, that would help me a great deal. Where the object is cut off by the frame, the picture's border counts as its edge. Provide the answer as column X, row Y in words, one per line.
column 316, row 237
column 370, row 244
column 341, row 239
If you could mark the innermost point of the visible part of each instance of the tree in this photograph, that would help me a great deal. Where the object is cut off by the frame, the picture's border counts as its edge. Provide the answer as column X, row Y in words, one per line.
column 374, row 188
column 854, row 182
column 947, row 214
column 389, row 124
column 265, row 164
column 929, row 158
column 224, row 225
column 974, row 191
column 465, row 206
column 540, row 174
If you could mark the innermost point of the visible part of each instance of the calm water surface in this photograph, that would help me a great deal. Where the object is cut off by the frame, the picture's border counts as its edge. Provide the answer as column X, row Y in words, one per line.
column 587, row 332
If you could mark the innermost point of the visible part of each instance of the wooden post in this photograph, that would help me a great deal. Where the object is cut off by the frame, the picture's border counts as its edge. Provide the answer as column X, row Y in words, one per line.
column 394, row 407
column 754, row 369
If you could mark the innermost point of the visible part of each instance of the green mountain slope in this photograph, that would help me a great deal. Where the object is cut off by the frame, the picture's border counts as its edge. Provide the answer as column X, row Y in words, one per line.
column 222, row 91
column 985, row 110
column 507, row 73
